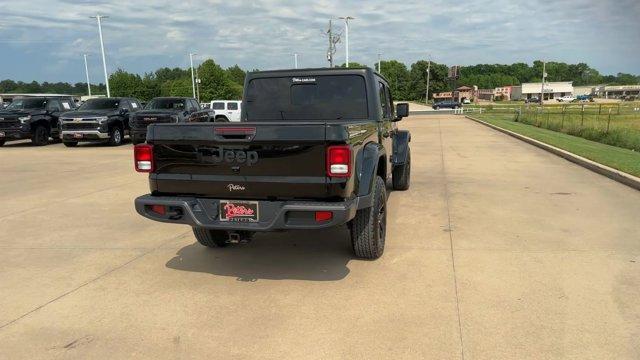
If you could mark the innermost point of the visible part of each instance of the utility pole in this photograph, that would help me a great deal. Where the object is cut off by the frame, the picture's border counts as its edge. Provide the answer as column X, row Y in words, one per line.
column 104, row 61
column 379, row 71
column 193, row 80
column 295, row 60
column 86, row 71
column 544, row 75
column 346, row 34
column 333, row 40
column 426, row 98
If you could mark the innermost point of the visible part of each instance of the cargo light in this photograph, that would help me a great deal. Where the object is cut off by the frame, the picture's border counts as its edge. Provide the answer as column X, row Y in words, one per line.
column 143, row 158
column 339, row 161
column 323, row 216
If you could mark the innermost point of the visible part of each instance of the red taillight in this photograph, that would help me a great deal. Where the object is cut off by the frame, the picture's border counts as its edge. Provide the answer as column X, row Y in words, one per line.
column 159, row 209
column 324, row 216
column 143, row 157
column 339, row 161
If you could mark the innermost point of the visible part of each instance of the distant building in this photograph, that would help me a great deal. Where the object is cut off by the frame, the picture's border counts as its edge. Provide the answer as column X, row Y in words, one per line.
column 485, row 94
column 585, row 90
column 552, row 90
column 618, row 91
column 465, row 92
column 447, row 95
column 503, row 92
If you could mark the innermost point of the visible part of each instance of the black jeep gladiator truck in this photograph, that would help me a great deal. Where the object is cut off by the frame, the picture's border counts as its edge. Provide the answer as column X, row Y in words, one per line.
column 34, row 118
column 98, row 120
column 166, row 110
column 314, row 149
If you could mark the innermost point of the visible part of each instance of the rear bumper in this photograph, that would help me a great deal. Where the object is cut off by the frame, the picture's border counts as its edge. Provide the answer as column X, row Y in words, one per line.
column 274, row 215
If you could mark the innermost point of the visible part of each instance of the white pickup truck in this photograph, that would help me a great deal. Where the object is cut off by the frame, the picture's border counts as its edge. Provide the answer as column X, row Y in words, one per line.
column 566, row 98
column 226, row 110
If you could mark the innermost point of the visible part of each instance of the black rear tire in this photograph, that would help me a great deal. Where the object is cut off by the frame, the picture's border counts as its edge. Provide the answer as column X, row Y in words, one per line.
column 402, row 174
column 368, row 228
column 70, row 143
column 2, row 142
column 40, row 135
column 211, row 238
column 115, row 136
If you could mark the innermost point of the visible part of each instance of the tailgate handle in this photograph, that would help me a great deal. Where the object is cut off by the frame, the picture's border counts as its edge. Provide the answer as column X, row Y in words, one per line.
column 235, row 133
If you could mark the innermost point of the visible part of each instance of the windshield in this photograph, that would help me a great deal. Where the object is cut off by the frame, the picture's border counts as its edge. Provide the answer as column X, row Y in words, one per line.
column 100, row 104
column 35, row 103
column 307, row 98
column 166, row 104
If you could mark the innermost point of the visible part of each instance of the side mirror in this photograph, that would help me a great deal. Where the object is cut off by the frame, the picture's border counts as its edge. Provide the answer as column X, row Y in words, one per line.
column 402, row 110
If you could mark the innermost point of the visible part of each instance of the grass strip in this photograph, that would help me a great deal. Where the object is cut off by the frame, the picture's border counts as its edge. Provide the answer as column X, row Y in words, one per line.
column 612, row 156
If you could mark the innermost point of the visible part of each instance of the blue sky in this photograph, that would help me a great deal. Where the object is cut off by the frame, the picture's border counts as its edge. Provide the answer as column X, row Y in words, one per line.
column 44, row 40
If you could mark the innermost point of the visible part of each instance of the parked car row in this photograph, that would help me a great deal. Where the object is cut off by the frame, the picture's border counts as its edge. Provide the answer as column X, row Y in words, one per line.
column 106, row 120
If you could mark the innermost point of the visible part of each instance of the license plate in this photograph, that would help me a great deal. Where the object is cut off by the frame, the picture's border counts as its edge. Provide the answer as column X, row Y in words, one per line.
column 77, row 136
column 1, row 133
column 239, row 211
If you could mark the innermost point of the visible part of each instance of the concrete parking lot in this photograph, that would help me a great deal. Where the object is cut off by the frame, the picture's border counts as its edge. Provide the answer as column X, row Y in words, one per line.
column 498, row 251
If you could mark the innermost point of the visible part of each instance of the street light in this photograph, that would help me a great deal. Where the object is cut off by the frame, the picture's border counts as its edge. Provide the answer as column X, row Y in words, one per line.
column 346, row 34
column 426, row 98
column 295, row 60
column 86, row 71
column 193, row 79
column 379, row 71
column 104, row 61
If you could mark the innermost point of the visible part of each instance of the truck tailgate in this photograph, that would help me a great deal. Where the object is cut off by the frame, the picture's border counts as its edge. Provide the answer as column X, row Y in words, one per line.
column 241, row 160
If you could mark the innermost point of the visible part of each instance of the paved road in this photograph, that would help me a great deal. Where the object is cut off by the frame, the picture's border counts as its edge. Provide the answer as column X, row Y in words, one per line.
column 499, row 250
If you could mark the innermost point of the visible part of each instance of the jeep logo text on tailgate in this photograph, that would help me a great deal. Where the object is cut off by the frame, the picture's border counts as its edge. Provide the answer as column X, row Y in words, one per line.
column 229, row 156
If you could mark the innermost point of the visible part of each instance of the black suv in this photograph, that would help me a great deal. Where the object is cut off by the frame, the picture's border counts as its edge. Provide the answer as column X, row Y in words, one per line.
column 165, row 110
column 34, row 118
column 99, row 119
column 314, row 149
column 447, row 104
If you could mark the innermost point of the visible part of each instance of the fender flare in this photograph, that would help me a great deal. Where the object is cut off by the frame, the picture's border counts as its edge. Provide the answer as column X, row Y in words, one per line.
column 367, row 167
column 401, row 141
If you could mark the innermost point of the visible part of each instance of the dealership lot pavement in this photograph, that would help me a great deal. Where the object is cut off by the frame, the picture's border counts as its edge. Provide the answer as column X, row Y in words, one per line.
column 498, row 250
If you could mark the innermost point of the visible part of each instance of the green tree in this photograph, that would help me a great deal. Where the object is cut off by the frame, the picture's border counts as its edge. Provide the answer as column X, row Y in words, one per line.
column 216, row 83
column 177, row 87
column 123, row 83
column 397, row 75
column 236, row 74
column 353, row 64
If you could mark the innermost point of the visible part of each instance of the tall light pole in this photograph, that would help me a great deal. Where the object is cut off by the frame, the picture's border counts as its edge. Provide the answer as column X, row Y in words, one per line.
column 426, row 98
column 193, row 79
column 104, row 61
column 295, row 60
column 86, row 71
column 197, row 85
column 346, row 34
column 379, row 71
column 544, row 75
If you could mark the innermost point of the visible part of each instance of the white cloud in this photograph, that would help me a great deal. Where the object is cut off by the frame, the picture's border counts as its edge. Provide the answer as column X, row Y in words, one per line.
column 141, row 36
